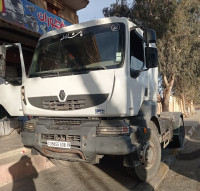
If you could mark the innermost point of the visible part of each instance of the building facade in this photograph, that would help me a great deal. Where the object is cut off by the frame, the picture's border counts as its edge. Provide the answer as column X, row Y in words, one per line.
column 37, row 16
column 24, row 21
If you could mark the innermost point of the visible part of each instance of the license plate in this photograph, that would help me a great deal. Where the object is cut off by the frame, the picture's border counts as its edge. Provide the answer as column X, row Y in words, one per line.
column 59, row 144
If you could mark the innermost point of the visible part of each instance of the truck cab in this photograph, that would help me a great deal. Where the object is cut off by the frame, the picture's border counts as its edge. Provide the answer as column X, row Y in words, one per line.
column 92, row 89
column 90, row 68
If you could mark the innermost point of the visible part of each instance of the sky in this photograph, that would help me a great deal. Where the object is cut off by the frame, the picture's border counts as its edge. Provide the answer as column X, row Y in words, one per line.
column 94, row 10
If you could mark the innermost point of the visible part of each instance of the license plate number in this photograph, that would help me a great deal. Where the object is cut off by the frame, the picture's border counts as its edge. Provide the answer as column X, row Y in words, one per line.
column 59, row 144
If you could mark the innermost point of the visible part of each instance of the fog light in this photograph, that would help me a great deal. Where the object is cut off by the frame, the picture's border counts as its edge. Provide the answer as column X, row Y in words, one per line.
column 30, row 125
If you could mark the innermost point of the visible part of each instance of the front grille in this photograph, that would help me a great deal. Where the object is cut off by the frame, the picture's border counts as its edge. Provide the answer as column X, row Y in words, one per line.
column 67, row 105
column 55, row 137
column 68, row 122
column 73, row 102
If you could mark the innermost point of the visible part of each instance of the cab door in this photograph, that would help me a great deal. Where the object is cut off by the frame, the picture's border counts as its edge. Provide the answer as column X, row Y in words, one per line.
column 12, row 75
column 138, row 80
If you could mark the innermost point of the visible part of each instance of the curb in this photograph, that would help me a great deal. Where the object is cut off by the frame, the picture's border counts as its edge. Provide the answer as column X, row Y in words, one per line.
column 191, row 132
column 155, row 182
column 21, row 165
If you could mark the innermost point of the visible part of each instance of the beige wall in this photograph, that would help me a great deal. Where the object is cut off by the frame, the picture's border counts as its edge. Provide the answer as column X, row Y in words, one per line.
column 69, row 14
column 176, row 105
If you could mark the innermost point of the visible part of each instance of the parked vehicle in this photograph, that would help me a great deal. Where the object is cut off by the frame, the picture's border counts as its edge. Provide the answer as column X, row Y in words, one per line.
column 92, row 88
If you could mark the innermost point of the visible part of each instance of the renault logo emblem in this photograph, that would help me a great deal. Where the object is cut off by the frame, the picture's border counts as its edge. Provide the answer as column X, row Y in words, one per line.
column 62, row 95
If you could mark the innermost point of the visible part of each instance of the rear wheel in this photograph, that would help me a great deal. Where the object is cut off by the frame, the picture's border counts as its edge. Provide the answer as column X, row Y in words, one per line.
column 150, row 158
column 179, row 135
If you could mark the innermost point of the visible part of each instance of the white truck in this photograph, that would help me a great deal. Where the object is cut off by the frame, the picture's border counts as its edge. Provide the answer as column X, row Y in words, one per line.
column 92, row 89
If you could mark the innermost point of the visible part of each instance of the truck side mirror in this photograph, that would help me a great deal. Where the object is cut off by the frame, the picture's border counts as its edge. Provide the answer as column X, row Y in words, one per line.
column 149, row 36
column 151, row 54
column 2, row 61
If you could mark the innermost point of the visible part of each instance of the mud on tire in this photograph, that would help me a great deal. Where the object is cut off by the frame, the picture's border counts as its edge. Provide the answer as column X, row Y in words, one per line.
column 150, row 161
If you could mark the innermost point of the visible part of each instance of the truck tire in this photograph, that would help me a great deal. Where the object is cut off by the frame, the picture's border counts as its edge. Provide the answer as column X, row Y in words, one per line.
column 179, row 135
column 150, row 158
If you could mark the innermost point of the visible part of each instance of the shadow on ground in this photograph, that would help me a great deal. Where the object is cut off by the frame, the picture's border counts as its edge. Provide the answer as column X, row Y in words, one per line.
column 184, row 173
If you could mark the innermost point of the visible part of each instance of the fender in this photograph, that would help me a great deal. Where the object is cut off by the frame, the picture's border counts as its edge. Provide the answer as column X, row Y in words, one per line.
column 174, row 117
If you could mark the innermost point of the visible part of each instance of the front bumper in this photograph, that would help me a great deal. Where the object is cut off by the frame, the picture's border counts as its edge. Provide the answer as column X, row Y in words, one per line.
column 86, row 145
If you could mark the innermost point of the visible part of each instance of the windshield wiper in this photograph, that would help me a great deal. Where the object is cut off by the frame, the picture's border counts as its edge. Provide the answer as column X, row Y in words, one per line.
column 88, row 69
column 62, row 73
column 98, row 68
column 33, row 75
column 50, row 74
column 45, row 74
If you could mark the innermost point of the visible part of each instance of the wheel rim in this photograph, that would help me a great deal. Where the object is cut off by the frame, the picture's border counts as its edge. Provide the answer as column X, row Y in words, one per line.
column 148, row 155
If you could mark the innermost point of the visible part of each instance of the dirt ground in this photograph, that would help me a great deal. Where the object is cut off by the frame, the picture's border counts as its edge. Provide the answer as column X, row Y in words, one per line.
column 184, row 173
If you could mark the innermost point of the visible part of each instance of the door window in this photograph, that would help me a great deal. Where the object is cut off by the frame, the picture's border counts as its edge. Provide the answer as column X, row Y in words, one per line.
column 136, row 51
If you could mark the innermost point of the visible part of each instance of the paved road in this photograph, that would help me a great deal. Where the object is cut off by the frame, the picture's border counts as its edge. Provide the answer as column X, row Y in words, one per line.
column 108, row 176
column 195, row 118
column 111, row 176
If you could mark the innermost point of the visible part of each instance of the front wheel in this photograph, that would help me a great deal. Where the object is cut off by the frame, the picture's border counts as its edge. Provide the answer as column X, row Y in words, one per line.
column 150, row 158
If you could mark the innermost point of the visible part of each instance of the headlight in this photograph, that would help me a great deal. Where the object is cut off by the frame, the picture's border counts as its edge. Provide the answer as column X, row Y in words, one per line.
column 122, row 130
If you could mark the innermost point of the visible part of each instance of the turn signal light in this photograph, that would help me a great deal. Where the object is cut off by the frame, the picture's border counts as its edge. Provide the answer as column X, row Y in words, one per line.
column 30, row 125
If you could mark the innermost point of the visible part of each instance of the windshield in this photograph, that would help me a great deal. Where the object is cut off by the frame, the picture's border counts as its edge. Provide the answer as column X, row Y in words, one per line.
column 93, row 48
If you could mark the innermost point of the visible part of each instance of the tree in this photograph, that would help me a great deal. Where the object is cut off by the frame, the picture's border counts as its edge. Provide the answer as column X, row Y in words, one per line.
column 186, row 82
column 119, row 9
column 175, row 50
column 174, row 22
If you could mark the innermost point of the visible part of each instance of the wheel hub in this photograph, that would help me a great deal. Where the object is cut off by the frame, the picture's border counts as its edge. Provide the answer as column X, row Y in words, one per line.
column 147, row 155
